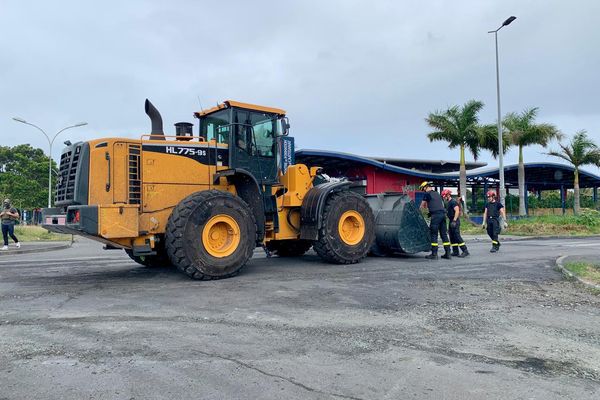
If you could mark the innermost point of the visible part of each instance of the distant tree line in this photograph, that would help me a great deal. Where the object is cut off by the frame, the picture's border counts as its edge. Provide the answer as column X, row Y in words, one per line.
column 24, row 176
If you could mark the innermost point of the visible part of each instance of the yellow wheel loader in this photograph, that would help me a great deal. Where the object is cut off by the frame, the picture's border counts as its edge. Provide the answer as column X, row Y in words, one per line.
column 203, row 202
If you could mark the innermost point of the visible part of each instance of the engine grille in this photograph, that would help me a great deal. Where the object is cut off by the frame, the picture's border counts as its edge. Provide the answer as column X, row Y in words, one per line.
column 67, row 175
column 134, row 174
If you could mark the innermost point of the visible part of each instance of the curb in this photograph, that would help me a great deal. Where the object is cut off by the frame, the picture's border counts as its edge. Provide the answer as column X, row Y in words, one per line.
column 553, row 237
column 569, row 275
column 36, row 250
column 520, row 238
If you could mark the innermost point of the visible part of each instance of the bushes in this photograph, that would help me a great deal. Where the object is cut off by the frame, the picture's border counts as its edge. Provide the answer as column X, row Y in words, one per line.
column 586, row 223
column 588, row 217
column 550, row 199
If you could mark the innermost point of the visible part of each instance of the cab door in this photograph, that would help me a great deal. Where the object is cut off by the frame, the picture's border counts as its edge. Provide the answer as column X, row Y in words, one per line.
column 253, row 147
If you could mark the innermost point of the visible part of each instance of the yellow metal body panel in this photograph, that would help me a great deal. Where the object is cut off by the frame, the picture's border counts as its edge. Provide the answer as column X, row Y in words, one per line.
column 296, row 182
column 99, row 176
column 118, row 221
column 159, row 169
column 120, row 172
column 164, row 180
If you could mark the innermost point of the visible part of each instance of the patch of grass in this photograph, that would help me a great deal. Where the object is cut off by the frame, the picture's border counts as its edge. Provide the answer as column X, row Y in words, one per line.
column 587, row 271
column 27, row 233
column 586, row 223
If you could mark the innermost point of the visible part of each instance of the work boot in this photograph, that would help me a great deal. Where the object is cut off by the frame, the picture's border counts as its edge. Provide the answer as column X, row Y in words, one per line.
column 433, row 255
column 447, row 254
column 494, row 249
column 455, row 252
column 464, row 254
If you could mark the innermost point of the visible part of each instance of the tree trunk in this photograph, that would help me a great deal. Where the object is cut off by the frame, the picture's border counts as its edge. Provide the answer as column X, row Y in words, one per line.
column 463, row 180
column 576, row 206
column 522, row 207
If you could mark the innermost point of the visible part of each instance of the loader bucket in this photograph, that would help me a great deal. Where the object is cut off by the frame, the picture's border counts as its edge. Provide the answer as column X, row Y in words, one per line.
column 399, row 225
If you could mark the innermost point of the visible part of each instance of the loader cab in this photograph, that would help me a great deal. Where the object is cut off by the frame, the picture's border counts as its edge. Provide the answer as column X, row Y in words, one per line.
column 251, row 135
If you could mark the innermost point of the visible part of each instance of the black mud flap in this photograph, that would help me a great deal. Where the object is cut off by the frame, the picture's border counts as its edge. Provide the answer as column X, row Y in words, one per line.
column 311, row 212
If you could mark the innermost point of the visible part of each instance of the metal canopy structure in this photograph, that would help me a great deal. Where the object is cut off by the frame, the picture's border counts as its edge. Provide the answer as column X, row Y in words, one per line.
column 428, row 169
column 391, row 174
column 538, row 176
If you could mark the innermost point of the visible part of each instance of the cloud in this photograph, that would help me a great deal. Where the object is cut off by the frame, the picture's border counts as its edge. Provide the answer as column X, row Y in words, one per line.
column 354, row 76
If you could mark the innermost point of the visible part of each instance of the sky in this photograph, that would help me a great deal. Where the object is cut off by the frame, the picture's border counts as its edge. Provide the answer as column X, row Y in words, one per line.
column 353, row 75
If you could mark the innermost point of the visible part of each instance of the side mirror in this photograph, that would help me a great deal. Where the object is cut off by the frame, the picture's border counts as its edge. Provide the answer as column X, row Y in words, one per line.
column 285, row 126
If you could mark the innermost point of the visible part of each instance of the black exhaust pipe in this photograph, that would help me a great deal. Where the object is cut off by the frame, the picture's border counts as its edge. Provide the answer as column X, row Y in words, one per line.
column 157, row 123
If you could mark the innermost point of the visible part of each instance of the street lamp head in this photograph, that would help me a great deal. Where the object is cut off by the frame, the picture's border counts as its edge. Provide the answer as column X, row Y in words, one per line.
column 20, row 120
column 509, row 20
column 80, row 124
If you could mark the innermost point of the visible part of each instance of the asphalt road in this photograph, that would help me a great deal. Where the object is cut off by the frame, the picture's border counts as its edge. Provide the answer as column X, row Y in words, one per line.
column 84, row 323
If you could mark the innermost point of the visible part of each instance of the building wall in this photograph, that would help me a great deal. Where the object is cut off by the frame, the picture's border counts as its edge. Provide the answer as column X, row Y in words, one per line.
column 379, row 181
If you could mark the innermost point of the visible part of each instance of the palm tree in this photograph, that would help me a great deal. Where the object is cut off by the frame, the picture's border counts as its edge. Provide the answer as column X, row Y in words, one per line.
column 522, row 132
column 459, row 126
column 488, row 139
column 581, row 151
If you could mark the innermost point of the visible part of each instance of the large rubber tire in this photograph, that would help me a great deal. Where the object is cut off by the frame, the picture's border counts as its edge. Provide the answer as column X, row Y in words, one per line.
column 187, row 228
column 330, row 245
column 289, row 248
column 161, row 259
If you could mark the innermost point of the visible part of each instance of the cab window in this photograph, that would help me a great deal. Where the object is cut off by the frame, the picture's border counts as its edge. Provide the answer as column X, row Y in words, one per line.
column 216, row 126
column 264, row 128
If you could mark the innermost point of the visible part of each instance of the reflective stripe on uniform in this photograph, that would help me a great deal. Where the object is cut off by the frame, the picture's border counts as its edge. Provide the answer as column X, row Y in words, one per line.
column 455, row 245
column 493, row 241
column 446, row 243
column 434, row 244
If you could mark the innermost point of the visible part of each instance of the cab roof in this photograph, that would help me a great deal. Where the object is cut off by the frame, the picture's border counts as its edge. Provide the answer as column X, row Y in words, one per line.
column 239, row 104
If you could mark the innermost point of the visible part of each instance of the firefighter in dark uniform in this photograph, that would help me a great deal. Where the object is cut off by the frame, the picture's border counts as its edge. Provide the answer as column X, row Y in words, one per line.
column 453, row 213
column 434, row 203
column 491, row 219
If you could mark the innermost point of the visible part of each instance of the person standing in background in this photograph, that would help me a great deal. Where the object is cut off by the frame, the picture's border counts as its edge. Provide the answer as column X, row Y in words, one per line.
column 491, row 219
column 9, row 216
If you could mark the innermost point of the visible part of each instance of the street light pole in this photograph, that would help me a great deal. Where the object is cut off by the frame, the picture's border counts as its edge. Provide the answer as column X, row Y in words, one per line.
column 502, row 193
column 50, row 142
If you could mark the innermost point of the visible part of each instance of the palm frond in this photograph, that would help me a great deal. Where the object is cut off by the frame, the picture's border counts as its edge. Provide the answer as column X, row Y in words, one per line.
column 558, row 154
column 580, row 151
column 457, row 126
column 539, row 134
column 591, row 158
column 488, row 139
column 523, row 131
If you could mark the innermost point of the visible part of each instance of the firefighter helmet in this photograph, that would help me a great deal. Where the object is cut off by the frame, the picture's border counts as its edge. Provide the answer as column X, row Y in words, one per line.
column 425, row 184
column 446, row 192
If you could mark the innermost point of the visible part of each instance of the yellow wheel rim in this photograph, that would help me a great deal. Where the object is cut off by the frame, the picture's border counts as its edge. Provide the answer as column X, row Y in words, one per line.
column 221, row 236
column 351, row 227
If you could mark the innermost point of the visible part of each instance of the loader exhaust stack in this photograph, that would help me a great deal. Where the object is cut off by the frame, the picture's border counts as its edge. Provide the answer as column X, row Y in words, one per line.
column 157, row 123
